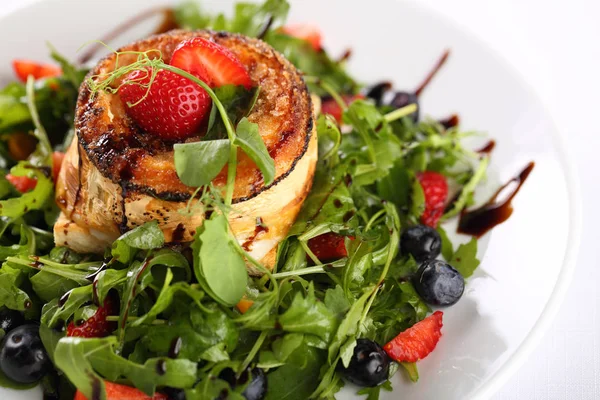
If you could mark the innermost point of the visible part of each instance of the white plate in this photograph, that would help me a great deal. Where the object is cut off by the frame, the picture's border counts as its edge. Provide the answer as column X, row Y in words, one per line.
column 529, row 260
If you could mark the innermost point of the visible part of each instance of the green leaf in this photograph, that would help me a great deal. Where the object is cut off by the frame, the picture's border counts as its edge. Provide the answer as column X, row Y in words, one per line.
column 468, row 190
column 198, row 163
column 85, row 360
column 11, row 295
column 198, row 330
column 417, row 199
column 219, row 266
column 74, row 300
column 249, row 140
column 329, row 136
column 395, row 187
column 298, row 378
column 33, row 200
column 146, row 237
column 447, row 247
column 308, row 315
column 465, row 259
column 349, row 325
column 13, row 111
column 336, row 301
column 237, row 102
column 70, row 71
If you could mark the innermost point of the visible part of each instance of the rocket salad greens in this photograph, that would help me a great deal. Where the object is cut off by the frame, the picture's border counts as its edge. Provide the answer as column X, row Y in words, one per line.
column 189, row 319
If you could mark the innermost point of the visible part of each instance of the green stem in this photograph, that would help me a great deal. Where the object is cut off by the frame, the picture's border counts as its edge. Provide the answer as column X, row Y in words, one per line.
column 39, row 131
column 374, row 219
column 309, row 252
column 329, row 89
column 400, row 113
column 115, row 318
column 253, row 352
column 319, row 269
column 232, row 167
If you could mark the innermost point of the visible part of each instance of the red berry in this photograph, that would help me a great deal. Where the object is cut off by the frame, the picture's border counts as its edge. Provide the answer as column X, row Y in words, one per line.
column 331, row 107
column 24, row 68
column 418, row 341
column 306, row 32
column 203, row 57
column 96, row 326
column 435, row 189
column 23, row 184
column 328, row 246
column 174, row 107
column 115, row 391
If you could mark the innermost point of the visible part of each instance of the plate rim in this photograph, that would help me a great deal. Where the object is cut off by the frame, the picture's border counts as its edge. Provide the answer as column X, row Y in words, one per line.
column 564, row 155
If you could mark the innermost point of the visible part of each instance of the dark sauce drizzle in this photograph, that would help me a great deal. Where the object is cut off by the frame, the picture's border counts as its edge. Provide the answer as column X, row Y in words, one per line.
column 258, row 229
column 437, row 67
column 487, row 148
column 481, row 220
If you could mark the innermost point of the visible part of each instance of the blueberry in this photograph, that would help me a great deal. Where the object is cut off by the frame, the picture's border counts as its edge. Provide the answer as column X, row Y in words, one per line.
column 255, row 390
column 10, row 319
column 438, row 283
column 402, row 99
column 174, row 394
column 23, row 357
column 378, row 91
column 369, row 365
column 422, row 242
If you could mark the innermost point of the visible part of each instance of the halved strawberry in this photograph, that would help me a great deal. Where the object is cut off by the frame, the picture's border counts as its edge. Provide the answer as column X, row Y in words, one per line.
column 205, row 58
column 114, row 391
column 307, row 32
column 174, row 107
column 23, row 184
column 328, row 246
column 435, row 189
column 24, row 68
column 96, row 326
column 331, row 107
column 418, row 341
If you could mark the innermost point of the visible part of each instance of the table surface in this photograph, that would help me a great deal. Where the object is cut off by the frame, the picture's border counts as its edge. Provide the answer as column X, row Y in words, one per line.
column 554, row 44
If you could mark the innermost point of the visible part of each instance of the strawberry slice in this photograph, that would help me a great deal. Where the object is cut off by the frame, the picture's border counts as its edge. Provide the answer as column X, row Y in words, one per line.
column 24, row 68
column 328, row 246
column 418, row 341
column 114, row 391
column 96, row 326
column 205, row 58
column 174, row 108
column 435, row 189
column 331, row 107
column 306, row 32
column 23, row 184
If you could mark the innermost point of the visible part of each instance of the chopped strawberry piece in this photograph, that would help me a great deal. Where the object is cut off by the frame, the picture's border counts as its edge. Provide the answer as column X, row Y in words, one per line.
column 24, row 68
column 23, row 184
column 114, row 391
column 306, row 32
column 435, row 189
column 96, row 326
column 418, row 341
column 331, row 107
column 328, row 246
column 208, row 59
column 173, row 109
column 57, row 159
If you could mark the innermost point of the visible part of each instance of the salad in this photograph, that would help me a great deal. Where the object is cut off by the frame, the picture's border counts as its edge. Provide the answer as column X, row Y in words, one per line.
column 221, row 211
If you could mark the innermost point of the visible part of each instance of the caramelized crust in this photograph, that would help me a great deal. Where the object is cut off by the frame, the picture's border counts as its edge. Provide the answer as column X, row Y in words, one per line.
column 140, row 162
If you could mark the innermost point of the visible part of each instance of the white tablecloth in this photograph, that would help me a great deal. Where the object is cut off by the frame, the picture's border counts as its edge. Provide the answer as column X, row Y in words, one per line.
column 556, row 46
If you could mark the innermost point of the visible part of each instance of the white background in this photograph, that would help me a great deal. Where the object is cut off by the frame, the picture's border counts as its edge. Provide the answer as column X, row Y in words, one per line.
column 556, row 46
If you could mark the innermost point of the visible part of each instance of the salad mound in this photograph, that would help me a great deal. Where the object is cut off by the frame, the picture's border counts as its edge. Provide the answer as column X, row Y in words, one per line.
column 224, row 224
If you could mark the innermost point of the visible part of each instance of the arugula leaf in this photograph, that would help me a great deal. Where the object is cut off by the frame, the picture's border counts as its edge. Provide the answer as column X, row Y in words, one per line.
column 329, row 137
column 85, row 360
column 411, row 369
column 465, row 258
column 145, row 237
column 11, row 295
column 54, row 311
column 218, row 265
column 349, row 326
column 198, row 163
column 308, row 315
column 13, row 111
column 33, row 200
column 468, row 189
column 249, row 140
column 70, row 71
column 336, row 301
column 198, row 330
column 447, row 247
column 417, row 199
column 298, row 378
